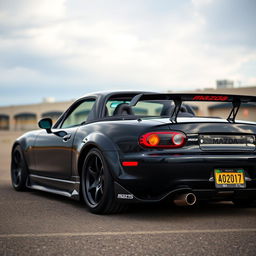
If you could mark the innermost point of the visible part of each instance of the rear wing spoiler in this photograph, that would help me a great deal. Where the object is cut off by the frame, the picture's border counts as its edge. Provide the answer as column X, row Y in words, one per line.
column 236, row 101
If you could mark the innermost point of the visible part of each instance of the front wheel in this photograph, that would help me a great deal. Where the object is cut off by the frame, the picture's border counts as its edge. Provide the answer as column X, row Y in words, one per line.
column 97, row 184
column 19, row 172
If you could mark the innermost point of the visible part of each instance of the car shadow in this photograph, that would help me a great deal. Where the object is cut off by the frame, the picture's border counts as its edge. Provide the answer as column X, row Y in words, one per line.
column 144, row 210
column 147, row 210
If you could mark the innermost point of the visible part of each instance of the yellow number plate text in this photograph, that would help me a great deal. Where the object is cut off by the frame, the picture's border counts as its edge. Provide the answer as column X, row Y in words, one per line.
column 229, row 178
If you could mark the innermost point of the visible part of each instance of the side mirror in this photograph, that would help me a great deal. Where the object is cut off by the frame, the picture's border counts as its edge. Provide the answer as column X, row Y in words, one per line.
column 46, row 123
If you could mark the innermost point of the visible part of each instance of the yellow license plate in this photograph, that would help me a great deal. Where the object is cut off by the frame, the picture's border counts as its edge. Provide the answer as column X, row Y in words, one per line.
column 229, row 178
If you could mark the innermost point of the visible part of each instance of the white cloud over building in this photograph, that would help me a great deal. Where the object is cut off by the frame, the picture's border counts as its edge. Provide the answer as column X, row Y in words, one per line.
column 66, row 48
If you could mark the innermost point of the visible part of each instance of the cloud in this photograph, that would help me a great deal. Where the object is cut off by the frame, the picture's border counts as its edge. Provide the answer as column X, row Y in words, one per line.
column 94, row 45
column 229, row 22
column 18, row 13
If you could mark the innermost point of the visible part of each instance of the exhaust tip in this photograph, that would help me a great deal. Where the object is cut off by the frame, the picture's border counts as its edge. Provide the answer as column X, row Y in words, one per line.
column 190, row 198
column 187, row 199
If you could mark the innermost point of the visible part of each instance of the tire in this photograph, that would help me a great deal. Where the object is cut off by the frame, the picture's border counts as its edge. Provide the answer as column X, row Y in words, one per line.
column 243, row 203
column 19, row 171
column 98, row 185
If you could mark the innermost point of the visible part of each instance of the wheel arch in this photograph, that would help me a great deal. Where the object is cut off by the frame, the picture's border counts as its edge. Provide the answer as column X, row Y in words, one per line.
column 26, row 143
column 83, row 153
column 22, row 146
column 15, row 144
column 102, row 143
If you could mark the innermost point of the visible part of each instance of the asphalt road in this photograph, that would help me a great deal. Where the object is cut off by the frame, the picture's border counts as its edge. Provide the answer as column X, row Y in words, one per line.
column 37, row 223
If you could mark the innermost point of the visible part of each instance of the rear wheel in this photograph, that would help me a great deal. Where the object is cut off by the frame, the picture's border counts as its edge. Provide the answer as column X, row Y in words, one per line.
column 19, row 172
column 97, row 184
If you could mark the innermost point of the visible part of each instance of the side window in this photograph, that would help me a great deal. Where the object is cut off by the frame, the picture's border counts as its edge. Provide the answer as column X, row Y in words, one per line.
column 79, row 114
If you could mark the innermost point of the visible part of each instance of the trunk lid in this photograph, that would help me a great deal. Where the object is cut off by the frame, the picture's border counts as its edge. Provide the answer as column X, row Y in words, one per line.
column 213, row 134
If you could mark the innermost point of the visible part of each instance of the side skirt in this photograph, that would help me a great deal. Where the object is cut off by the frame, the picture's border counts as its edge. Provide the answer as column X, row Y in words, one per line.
column 68, row 188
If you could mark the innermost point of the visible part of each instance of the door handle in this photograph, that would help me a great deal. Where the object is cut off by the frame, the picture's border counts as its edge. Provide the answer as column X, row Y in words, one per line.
column 66, row 137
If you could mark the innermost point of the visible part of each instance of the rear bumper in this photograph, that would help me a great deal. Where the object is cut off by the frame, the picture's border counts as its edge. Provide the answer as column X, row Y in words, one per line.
column 160, row 176
column 123, row 195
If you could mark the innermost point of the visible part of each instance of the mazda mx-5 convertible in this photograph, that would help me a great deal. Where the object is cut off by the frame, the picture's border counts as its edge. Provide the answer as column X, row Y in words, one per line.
column 110, row 149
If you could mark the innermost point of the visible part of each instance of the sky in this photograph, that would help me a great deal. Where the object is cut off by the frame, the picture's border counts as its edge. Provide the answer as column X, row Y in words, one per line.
column 67, row 48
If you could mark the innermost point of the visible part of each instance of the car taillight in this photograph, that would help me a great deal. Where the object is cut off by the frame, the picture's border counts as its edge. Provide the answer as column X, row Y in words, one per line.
column 153, row 140
column 130, row 163
column 163, row 140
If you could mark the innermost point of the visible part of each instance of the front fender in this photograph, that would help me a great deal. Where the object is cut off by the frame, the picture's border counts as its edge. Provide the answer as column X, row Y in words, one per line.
column 26, row 142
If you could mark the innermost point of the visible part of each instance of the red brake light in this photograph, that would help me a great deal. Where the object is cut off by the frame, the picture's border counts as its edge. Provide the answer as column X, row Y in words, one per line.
column 134, row 163
column 163, row 140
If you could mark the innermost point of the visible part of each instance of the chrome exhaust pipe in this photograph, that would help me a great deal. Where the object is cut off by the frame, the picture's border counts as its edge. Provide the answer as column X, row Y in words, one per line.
column 186, row 199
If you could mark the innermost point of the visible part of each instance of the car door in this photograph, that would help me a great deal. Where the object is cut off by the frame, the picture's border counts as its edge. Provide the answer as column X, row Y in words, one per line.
column 53, row 151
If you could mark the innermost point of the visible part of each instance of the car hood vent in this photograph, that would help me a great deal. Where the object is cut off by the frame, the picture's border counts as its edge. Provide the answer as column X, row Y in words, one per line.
column 227, row 142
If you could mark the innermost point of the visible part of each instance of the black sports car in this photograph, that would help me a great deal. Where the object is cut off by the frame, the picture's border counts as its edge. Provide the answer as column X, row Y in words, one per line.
column 114, row 148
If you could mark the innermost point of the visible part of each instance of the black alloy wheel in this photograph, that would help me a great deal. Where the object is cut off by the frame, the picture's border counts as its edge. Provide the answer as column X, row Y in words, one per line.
column 97, row 184
column 94, row 180
column 19, row 171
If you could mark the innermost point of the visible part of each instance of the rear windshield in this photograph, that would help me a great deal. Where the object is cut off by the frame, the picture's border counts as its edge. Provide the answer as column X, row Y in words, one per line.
column 143, row 108
column 157, row 108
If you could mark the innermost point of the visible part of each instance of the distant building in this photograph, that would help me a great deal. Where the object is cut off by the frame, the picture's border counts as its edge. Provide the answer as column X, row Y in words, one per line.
column 222, row 84
column 246, row 112
column 49, row 100
column 26, row 117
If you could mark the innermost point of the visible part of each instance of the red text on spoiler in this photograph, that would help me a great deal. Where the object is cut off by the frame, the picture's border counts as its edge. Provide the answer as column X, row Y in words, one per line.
column 211, row 98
